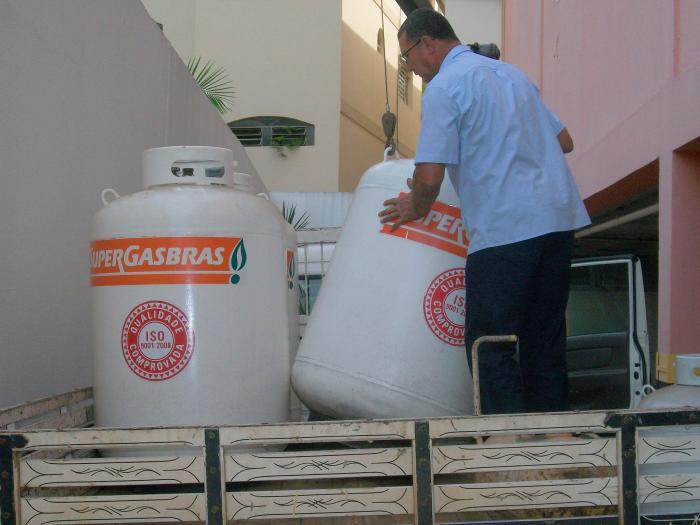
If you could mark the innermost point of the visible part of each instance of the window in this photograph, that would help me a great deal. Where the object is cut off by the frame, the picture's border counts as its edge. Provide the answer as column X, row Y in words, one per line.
column 273, row 131
column 309, row 286
column 312, row 262
column 294, row 135
column 249, row 136
column 598, row 300
column 405, row 80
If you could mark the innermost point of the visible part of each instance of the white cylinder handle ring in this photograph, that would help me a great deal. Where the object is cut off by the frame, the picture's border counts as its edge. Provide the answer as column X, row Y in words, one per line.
column 108, row 195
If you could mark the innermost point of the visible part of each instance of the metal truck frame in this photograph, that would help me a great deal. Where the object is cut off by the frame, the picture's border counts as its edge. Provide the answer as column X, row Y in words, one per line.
column 592, row 467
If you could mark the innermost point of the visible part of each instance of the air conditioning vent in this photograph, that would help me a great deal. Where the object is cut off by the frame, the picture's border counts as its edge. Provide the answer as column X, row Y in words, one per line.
column 273, row 131
column 249, row 136
column 291, row 134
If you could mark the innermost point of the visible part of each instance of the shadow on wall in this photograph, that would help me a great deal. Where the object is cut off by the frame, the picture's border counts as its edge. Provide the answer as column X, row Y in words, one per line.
column 363, row 102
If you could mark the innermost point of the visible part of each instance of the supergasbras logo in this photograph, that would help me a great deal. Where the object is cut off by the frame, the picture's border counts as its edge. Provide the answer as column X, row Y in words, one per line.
column 291, row 269
column 442, row 228
column 167, row 260
column 444, row 306
column 157, row 340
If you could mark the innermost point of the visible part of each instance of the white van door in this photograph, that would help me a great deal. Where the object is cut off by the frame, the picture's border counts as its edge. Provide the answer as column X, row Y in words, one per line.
column 607, row 340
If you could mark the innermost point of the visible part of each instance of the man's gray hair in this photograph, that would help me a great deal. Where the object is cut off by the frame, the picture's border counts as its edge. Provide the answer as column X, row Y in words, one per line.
column 427, row 22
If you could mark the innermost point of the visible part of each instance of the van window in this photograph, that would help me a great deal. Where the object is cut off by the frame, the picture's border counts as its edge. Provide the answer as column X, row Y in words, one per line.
column 309, row 285
column 598, row 299
column 312, row 263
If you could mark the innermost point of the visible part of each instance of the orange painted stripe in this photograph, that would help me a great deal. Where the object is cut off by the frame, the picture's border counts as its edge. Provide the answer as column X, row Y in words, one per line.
column 188, row 249
column 455, row 242
column 454, row 211
column 454, row 232
column 159, row 278
column 429, row 240
column 420, row 226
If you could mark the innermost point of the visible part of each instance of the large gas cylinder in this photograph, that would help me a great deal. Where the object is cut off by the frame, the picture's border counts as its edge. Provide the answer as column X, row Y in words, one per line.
column 243, row 182
column 290, row 248
column 686, row 391
column 190, row 284
column 386, row 335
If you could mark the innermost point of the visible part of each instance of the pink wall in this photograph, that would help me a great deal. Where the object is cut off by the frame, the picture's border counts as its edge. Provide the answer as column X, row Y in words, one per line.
column 687, row 17
column 624, row 76
column 523, row 46
column 679, row 258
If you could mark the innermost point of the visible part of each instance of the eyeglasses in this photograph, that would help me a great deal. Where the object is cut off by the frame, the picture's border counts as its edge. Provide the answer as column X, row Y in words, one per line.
column 404, row 55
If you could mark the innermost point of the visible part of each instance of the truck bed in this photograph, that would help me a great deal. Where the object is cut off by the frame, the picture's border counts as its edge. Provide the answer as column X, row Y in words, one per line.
column 608, row 467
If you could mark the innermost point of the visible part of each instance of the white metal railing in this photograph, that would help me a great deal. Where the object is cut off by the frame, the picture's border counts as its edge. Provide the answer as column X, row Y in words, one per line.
column 314, row 251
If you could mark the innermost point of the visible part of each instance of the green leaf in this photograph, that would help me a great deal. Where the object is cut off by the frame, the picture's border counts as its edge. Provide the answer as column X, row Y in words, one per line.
column 289, row 214
column 214, row 82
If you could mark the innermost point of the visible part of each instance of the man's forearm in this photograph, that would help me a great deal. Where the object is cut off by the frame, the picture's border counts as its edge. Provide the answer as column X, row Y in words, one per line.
column 427, row 179
column 565, row 141
column 423, row 197
column 424, row 186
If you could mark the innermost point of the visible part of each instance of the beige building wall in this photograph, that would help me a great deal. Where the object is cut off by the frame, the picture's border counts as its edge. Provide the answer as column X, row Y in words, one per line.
column 284, row 60
column 177, row 20
column 363, row 89
column 314, row 60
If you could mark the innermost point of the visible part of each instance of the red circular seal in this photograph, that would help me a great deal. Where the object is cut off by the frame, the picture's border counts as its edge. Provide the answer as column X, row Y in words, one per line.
column 157, row 340
column 444, row 306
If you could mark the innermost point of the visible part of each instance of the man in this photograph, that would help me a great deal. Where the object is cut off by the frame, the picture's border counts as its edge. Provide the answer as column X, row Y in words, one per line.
column 484, row 122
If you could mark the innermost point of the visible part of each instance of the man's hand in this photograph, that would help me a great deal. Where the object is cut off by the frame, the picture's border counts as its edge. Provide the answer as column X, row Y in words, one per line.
column 424, row 187
column 399, row 210
column 565, row 141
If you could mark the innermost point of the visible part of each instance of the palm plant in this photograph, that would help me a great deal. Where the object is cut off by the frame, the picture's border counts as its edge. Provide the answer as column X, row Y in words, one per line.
column 289, row 213
column 214, row 82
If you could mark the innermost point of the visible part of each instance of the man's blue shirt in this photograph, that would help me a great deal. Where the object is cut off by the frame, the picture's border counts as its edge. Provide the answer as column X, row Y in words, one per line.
column 485, row 120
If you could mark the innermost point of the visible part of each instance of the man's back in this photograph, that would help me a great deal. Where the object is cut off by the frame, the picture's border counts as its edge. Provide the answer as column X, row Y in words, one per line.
column 487, row 123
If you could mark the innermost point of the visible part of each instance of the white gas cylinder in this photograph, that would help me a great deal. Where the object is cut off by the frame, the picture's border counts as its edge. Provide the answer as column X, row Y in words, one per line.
column 290, row 248
column 189, row 292
column 686, row 391
column 386, row 335
column 243, row 182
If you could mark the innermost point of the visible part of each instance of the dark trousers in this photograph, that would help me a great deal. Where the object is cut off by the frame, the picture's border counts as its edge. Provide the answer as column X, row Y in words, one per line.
column 522, row 289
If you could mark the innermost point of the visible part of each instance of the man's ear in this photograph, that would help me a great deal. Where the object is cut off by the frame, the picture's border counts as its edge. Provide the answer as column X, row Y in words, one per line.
column 429, row 44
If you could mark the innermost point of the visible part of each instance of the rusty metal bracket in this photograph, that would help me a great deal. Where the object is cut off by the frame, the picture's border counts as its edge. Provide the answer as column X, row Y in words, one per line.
column 475, row 364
